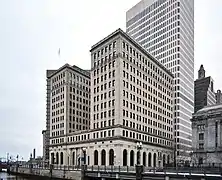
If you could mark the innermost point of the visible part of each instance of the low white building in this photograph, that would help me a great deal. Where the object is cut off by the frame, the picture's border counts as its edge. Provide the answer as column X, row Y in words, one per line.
column 207, row 136
column 131, row 101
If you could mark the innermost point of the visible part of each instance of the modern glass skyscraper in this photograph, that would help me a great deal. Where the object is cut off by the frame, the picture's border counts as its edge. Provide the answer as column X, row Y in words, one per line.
column 166, row 29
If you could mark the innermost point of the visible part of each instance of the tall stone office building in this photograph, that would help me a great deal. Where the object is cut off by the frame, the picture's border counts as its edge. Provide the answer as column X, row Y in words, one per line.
column 203, row 91
column 165, row 28
column 68, row 106
column 131, row 101
column 46, row 133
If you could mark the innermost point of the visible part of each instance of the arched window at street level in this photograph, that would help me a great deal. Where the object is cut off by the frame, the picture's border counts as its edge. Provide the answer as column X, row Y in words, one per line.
column 57, row 158
column 95, row 157
column 124, row 157
column 103, row 157
column 52, row 158
column 154, row 160
column 111, row 157
column 144, row 158
column 61, row 158
column 131, row 158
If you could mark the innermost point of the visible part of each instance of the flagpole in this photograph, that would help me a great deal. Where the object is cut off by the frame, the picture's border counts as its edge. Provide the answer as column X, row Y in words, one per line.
column 59, row 53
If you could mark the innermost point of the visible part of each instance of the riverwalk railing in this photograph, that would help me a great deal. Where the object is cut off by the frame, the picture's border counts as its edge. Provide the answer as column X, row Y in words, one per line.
column 130, row 169
column 52, row 166
column 124, row 172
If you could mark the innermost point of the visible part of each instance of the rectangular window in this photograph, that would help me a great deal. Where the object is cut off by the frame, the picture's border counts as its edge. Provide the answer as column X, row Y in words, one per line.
column 201, row 136
column 201, row 146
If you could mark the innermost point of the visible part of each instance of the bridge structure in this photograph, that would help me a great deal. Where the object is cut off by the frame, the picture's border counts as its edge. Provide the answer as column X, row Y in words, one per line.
column 132, row 173
column 138, row 172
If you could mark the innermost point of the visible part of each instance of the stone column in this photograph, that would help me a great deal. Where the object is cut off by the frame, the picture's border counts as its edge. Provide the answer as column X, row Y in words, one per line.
column 118, row 153
column 135, row 157
column 107, row 157
column 128, row 156
column 152, row 159
column 99, row 157
column 76, row 159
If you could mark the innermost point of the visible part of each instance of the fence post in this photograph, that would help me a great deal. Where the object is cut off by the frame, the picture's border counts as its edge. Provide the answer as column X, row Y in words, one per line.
column 119, row 168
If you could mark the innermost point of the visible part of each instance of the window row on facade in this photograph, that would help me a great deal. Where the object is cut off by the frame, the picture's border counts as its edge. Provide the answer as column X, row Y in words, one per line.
column 105, row 50
column 151, row 32
column 58, row 90
column 155, row 130
column 85, row 137
column 58, row 98
column 145, row 85
column 104, row 105
column 57, row 133
column 80, row 106
column 80, row 99
column 59, row 105
column 147, row 67
column 57, row 140
column 104, row 78
column 169, row 49
column 99, row 90
column 168, row 43
column 147, row 26
column 150, row 122
column 150, row 130
column 79, row 78
column 104, row 96
column 147, row 104
column 75, row 113
column 146, row 138
column 146, row 97
column 58, row 77
column 104, row 123
column 152, row 13
column 105, row 114
column 135, row 116
column 104, row 69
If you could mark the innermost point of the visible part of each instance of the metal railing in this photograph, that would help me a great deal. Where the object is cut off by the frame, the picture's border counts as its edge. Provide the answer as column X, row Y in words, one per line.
column 52, row 166
column 128, row 169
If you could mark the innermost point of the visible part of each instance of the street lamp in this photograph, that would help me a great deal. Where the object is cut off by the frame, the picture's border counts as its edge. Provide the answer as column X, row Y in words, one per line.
column 139, row 147
column 84, row 155
column 139, row 167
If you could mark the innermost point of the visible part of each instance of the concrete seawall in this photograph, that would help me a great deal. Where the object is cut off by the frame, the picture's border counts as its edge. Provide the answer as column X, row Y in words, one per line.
column 47, row 173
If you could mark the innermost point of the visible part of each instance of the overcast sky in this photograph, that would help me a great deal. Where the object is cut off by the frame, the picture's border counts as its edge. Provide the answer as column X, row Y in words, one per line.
column 32, row 31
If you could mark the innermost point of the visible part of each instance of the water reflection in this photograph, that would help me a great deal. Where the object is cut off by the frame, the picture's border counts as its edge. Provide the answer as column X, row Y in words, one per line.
column 5, row 176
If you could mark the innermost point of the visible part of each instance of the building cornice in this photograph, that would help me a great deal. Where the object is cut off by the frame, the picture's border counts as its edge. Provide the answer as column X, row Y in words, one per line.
column 206, row 116
column 108, row 139
column 85, row 73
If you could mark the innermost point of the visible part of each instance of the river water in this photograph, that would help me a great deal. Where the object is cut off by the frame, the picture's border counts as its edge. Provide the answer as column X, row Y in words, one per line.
column 5, row 176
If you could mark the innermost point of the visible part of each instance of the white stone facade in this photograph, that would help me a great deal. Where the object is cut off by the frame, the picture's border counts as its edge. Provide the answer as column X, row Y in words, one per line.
column 131, row 101
column 151, row 156
column 207, row 136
